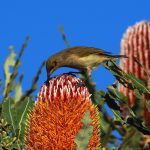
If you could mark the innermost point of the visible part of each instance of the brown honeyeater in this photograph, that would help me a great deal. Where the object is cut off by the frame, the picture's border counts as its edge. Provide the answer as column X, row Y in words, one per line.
column 83, row 58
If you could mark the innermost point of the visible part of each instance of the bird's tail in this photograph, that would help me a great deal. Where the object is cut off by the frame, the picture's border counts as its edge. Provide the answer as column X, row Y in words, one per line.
column 109, row 55
column 117, row 56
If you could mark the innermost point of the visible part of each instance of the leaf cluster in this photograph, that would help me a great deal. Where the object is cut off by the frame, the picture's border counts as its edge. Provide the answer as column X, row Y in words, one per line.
column 15, row 105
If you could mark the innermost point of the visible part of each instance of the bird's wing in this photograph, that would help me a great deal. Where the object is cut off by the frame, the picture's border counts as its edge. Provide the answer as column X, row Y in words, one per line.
column 83, row 51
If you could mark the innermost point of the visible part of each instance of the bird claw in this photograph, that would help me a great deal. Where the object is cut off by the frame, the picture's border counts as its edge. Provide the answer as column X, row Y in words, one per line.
column 73, row 73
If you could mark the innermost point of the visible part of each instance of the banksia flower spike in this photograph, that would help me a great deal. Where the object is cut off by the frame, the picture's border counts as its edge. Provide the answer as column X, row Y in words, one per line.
column 57, row 115
column 136, row 45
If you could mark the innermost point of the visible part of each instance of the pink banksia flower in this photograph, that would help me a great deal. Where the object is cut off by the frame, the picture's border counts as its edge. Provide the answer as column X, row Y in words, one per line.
column 136, row 45
column 57, row 116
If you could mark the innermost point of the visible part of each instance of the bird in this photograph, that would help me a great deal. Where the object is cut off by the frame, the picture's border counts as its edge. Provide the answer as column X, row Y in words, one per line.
column 82, row 58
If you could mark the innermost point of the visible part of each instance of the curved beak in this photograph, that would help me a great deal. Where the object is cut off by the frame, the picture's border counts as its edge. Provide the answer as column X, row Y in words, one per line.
column 50, row 72
column 48, row 76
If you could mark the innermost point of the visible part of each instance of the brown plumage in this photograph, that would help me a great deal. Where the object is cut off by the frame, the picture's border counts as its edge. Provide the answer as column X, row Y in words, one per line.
column 83, row 58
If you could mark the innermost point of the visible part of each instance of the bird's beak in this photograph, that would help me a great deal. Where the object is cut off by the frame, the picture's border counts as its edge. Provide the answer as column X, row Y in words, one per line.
column 48, row 75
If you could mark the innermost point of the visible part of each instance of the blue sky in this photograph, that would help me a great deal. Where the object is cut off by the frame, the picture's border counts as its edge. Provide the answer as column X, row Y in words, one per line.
column 94, row 23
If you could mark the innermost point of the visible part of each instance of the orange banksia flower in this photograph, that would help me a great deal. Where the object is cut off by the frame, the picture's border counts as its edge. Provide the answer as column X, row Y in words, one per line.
column 136, row 45
column 57, row 116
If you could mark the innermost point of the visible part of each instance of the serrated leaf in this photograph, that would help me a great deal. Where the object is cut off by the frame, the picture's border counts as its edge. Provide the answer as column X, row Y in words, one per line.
column 100, row 101
column 117, row 72
column 16, row 115
column 18, row 90
column 139, row 84
column 114, row 69
column 124, row 78
column 23, row 108
column 147, row 104
column 104, row 123
column 101, row 92
column 117, row 116
column 85, row 133
column 100, row 97
column 10, row 62
column 117, row 95
column 7, row 112
column 138, row 94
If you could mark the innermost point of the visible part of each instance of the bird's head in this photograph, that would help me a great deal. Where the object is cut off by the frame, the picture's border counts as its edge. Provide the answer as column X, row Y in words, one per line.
column 51, row 65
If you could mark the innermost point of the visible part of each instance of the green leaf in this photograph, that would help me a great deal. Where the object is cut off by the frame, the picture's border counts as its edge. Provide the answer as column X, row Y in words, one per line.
column 147, row 104
column 7, row 113
column 15, row 64
column 61, row 30
column 117, row 116
column 10, row 62
column 109, row 148
column 101, row 92
column 100, row 101
column 138, row 94
column 104, row 124
column 16, row 115
column 125, row 78
column 85, row 133
column 117, row 95
column 24, row 108
column 114, row 69
column 18, row 90
column 139, row 84
column 100, row 97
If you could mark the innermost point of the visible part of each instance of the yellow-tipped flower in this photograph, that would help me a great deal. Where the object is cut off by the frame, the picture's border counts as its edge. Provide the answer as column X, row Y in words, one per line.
column 57, row 116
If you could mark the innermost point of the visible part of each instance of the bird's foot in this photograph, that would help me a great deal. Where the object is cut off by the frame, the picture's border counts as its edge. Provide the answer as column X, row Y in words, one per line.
column 73, row 73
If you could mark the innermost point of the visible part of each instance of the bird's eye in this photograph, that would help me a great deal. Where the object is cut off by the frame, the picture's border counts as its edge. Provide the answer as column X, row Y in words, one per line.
column 50, row 68
column 55, row 63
